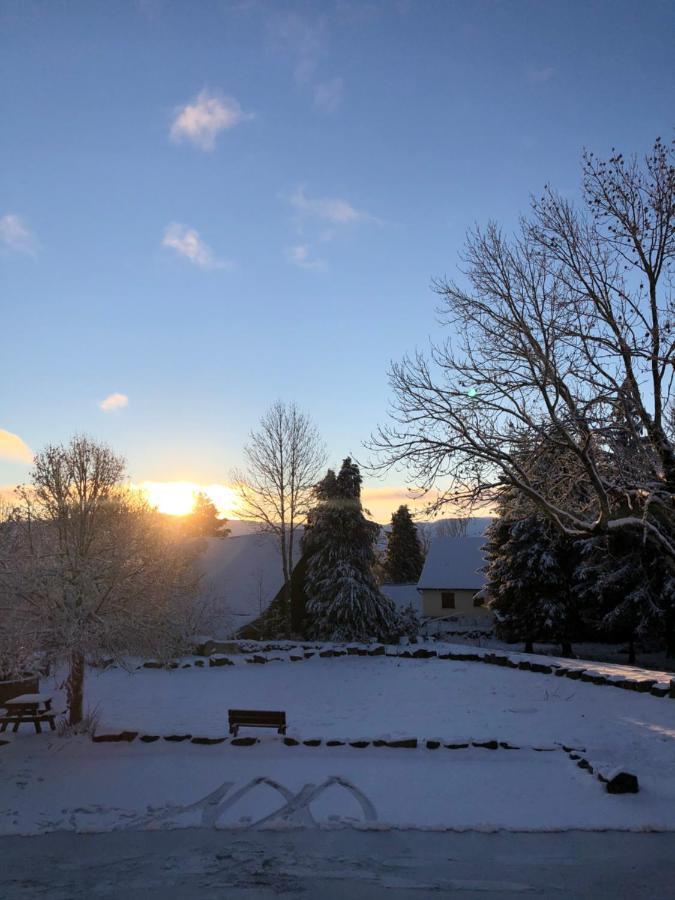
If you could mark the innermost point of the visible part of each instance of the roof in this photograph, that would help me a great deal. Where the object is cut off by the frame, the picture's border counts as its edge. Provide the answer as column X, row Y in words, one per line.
column 453, row 563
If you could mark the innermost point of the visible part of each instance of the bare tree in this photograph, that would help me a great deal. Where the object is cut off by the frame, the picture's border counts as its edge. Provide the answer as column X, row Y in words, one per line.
column 557, row 332
column 94, row 571
column 284, row 457
column 457, row 526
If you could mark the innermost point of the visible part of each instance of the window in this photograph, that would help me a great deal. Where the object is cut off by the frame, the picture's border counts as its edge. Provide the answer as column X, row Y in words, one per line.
column 447, row 600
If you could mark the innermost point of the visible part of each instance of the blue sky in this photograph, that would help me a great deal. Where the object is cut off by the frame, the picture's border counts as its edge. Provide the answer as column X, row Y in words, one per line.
column 208, row 206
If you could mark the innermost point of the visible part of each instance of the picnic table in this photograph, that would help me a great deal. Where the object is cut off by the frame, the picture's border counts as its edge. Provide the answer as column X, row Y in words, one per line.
column 31, row 708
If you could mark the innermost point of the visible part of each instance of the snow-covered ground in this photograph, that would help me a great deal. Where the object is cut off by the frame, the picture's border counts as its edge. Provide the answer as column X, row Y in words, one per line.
column 53, row 783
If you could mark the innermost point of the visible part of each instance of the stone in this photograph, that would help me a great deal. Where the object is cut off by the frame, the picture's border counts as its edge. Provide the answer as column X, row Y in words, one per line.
column 127, row 736
column 488, row 745
column 659, row 690
column 541, row 668
column 312, row 742
column 207, row 740
column 149, row 738
column 456, row 746
column 297, row 658
column 359, row 744
column 559, row 673
column 379, row 743
column 377, row 651
column 423, row 653
column 176, row 738
column 622, row 783
column 335, row 743
column 200, row 663
column 244, row 741
column 260, row 660
column 291, row 742
column 220, row 661
column 433, row 745
column 524, row 665
column 574, row 674
column 584, row 764
column 408, row 743
column 506, row 746
column 152, row 664
column 325, row 653
column 671, row 690
column 644, row 687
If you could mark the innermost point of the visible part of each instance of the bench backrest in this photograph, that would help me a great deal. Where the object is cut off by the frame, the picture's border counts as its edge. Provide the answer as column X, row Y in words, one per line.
column 257, row 717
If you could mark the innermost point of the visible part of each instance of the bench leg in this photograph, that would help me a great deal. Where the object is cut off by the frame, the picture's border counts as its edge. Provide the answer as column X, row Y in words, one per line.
column 282, row 730
column 38, row 727
column 16, row 727
column 51, row 723
column 4, row 725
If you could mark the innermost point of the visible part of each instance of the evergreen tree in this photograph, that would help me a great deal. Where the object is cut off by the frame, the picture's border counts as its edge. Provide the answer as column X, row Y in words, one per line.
column 404, row 559
column 203, row 521
column 344, row 602
column 529, row 578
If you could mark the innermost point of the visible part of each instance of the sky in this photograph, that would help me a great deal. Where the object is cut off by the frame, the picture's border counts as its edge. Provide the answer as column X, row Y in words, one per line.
column 206, row 207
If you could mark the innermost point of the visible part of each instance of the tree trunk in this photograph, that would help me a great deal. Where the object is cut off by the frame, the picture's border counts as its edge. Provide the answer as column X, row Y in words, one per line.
column 528, row 646
column 566, row 649
column 631, row 649
column 75, row 688
column 286, row 604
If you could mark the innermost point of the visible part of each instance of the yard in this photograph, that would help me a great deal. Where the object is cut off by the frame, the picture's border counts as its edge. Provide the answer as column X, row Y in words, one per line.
column 53, row 783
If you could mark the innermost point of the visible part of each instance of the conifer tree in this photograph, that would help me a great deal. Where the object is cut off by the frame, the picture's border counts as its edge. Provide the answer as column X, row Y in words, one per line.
column 343, row 600
column 204, row 521
column 404, row 559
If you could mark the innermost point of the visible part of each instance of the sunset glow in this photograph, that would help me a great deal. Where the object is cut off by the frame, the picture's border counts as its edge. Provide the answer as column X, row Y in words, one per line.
column 176, row 498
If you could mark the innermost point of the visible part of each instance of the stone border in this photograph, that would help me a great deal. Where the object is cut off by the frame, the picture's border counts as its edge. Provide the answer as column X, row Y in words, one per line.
column 649, row 686
column 617, row 782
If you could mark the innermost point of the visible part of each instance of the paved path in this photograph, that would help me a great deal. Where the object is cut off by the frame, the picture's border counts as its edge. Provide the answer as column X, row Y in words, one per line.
column 206, row 864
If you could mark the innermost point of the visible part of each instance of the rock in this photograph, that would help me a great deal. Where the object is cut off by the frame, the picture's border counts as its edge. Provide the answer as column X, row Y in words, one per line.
column 172, row 665
column 541, row 668
column 456, row 746
column 176, row 738
column 243, row 741
column 423, row 653
column 524, row 665
column 312, row 742
column 488, row 745
column 644, row 687
column 584, row 764
column 408, row 743
column 359, row 744
column 186, row 666
column 352, row 651
column 325, row 653
column 659, row 690
column 220, row 661
column 297, row 658
column 127, row 736
column 200, row 663
column 574, row 674
column 377, row 651
column 335, row 743
column 309, row 654
column 291, row 742
column 622, row 783
column 506, row 746
column 405, row 655
column 433, row 745
column 671, row 690
column 206, row 740
column 152, row 664
column 379, row 743
column 149, row 738
column 559, row 673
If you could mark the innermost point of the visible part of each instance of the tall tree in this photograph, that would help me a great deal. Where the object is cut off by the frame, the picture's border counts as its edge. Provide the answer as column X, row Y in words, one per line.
column 549, row 329
column 93, row 571
column 283, row 459
column 404, row 558
column 204, row 521
column 344, row 602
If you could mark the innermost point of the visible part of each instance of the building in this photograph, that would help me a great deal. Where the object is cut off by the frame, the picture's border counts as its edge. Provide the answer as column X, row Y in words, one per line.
column 451, row 578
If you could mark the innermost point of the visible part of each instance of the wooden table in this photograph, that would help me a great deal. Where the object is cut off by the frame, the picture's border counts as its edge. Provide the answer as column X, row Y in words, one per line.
column 32, row 708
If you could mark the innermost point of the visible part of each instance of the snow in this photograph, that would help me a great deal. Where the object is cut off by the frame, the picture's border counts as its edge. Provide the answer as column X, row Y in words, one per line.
column 71, row 783
column 453, row 562
column 403, row 595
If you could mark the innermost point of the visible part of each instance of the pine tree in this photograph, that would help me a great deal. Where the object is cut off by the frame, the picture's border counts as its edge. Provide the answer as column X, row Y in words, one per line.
column 404, row 559
column 344, row 602
column 529, row 580
column 204, row 521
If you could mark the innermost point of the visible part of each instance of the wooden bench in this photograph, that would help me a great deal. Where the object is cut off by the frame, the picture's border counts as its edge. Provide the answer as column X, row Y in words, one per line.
column 256, row 718
column 31, row 708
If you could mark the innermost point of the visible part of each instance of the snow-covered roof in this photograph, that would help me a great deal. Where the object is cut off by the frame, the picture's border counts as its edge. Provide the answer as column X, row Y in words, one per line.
column 453, row 563
column 403, row 595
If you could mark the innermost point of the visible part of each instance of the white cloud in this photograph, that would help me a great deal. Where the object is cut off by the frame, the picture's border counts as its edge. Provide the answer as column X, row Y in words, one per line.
column 114, row 402
column 301, row 39
column 334, row 210
column 187, row 242
column 205, row 117
column 300, row 256
column 15, row 235
column 13, row 448
column 539, row 74
column 328, row 95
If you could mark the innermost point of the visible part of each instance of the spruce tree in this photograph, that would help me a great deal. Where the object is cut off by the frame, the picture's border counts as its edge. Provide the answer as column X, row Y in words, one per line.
column 404, row 559
column 343, row 600
column 204, row 521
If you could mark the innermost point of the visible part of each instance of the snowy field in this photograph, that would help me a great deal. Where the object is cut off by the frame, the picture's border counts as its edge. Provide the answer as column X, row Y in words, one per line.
column 52, row 783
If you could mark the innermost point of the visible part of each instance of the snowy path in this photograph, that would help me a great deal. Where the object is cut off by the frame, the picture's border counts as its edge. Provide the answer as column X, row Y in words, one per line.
column 338, row 864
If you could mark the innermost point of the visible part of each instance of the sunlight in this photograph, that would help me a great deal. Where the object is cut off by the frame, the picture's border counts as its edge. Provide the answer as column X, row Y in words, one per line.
column 176, row 498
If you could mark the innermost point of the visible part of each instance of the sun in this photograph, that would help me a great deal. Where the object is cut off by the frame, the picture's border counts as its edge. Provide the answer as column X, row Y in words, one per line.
column 176, row 498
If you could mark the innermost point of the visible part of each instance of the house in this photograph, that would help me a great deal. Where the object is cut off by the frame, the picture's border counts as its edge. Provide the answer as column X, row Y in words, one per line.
column 451, row 578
